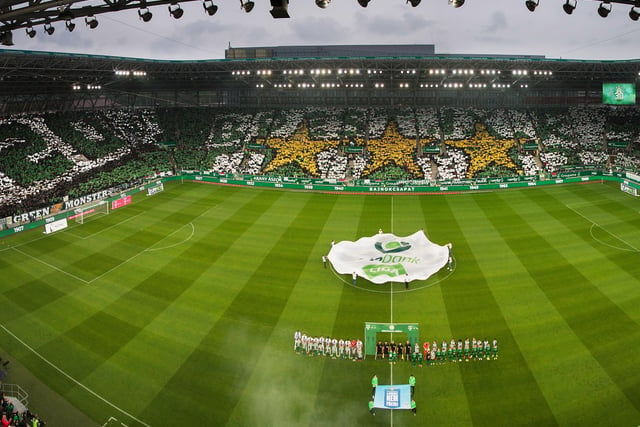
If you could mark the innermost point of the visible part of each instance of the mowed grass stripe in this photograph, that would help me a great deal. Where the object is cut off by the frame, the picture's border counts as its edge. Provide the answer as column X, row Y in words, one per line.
column 473, row 311
column 612, row 269
column 89, row 258
column 143, row 302
column 538, row 327
column 614, row 214
column 347, row 388
column 311, row 308
column 60, row 301
column 83, row 301
column 163, row 345
column 440, row 396
column 600, row 324
column 218, row 370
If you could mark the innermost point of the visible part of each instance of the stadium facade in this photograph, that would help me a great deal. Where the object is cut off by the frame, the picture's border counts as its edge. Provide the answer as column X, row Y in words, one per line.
column 302, row 76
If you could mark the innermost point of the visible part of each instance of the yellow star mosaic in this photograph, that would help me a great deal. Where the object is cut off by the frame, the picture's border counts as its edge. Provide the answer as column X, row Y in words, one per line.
column 298, row 149
column 392, row 148
column 485, row 149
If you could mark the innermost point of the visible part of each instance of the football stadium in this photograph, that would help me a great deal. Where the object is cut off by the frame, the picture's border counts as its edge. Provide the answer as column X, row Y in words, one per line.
column 319, row 235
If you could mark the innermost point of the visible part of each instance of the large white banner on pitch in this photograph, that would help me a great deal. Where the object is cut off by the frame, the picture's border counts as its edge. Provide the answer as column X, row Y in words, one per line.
column 386, row 257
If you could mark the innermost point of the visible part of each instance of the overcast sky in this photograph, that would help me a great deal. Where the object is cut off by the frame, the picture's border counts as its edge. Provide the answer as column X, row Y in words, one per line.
column 478, row 27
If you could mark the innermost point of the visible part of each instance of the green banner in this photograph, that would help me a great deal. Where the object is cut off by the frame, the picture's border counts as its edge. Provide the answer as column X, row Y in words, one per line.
column 255, row 146
column 530, row 146
column 617, row 144
column 371, row 329
column 352, row 149
column 431, row 149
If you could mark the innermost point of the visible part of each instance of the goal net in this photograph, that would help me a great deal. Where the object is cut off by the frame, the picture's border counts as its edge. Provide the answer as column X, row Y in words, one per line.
column 84, row 212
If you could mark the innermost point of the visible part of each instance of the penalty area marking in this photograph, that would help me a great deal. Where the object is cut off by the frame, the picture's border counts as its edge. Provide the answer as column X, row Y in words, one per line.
column 595, row 224
column 115, row 421
column 88, row 282
column 78, row 383
column 88, row 236
column 193, row 230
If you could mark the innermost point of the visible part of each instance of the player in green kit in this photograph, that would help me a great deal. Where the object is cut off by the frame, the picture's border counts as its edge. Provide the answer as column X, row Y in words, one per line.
column 393, row 356
column 474, row 348
column 487, row 349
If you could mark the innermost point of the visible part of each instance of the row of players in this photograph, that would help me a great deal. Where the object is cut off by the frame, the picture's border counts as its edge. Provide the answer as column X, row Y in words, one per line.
column 454, row 351
column 326, row 346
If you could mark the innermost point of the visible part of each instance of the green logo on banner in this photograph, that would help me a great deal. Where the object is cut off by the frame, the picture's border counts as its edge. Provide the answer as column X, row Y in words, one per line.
column 373, row 270
column 392, row 247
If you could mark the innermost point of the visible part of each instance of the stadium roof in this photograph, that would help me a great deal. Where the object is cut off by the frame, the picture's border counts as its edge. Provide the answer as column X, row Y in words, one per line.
column 34, row 74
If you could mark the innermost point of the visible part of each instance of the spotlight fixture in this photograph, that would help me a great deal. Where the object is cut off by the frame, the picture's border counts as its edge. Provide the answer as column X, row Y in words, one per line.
column 531, row 4
column 322, row 4
column 456, row 3
column 91, row 21
column 70, row 26
column 209, row 7
column 145, row 14
column 603, row 10
column 634, row 14
column 247, row 5
column 176, row 11
column 48, row 28
column 569, row 7
column 414, row 3
column 363, row 3
column 280, row 8
column 30, row 32
column 6, row 39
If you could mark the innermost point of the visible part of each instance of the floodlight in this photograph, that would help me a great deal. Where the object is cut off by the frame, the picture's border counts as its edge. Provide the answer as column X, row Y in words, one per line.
column 48, row 28
column 531, row 4
column 145, row 14
column 280, row 8
column 30, row 32
column 247, row 5
column 569, row 7
column 414, row 3
column 363, row 3
column 634, row 14
column 209, row 7
column 91, row 21
column 6, row 38
column 456, row 3
column 70, row 26
column 603, row 10
column 176, row 11
column 322, row 4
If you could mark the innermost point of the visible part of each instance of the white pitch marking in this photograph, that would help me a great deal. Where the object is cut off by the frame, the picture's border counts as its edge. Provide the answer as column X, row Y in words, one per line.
column 610, row 233
column 72, row 379
column 50, row 265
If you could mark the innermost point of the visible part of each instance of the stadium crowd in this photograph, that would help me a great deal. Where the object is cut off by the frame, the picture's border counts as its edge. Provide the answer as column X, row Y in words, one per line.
column 46, row 157
column 14, row 418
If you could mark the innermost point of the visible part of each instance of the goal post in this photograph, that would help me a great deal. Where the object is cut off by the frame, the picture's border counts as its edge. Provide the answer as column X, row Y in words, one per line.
column 84, row 212
column 371, row 330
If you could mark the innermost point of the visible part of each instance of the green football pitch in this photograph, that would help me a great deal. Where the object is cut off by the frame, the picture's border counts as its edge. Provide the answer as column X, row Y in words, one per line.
column 180, row 308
